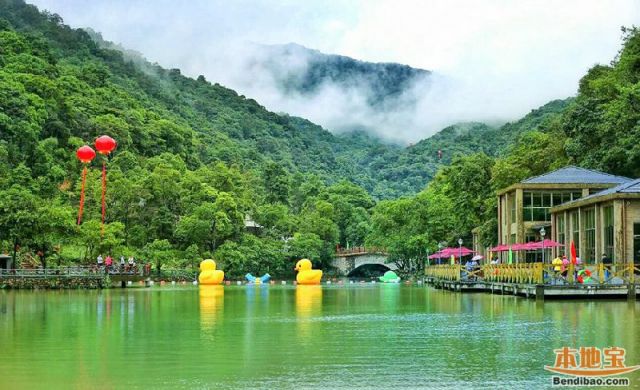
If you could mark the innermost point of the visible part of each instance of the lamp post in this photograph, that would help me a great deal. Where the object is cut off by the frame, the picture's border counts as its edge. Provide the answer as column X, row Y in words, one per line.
column 542, row 234
column 428, row 262
column 460, row 250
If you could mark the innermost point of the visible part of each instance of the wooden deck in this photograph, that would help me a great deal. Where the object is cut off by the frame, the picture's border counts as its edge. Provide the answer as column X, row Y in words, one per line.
column 539, row 281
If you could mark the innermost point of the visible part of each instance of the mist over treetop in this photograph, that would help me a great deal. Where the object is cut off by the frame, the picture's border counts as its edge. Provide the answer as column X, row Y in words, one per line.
column 490, row 63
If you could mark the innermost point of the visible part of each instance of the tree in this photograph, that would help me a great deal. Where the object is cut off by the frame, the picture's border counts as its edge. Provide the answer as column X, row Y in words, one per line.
column 159, row 252
column 18, row 216
column 53, row 225
column 276, row 183
column 305, row 246
column 192, row 257
column 97, row 243
column 211, row 223
column 318, row 219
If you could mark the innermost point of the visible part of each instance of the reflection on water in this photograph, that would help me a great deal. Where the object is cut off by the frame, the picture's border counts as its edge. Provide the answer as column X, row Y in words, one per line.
column 308, row 301
column 211, row 306
column 390, row 297
column 303, row 336
column 308, row 307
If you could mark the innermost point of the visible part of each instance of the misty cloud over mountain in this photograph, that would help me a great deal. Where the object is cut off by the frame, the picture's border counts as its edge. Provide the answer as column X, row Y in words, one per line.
column 338, row 92
column 396, row 102
column 484, row 68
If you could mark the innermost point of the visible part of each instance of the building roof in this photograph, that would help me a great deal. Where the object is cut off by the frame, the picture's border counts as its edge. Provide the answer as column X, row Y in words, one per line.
column 250, row 223
column 571, row 174
column 630, row 189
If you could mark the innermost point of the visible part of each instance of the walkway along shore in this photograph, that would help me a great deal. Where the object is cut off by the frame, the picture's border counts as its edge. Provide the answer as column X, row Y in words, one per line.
column 538, row 280
column 82, row 277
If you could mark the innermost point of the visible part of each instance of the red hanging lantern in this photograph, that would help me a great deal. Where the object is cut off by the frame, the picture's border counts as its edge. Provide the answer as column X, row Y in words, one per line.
column 85, row 154
column 104, row 145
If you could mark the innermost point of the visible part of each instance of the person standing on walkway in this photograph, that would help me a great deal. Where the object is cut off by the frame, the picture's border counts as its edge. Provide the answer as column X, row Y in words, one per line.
column 557, row 267
column 108, row 262
column 565, row 265
column 607, row 262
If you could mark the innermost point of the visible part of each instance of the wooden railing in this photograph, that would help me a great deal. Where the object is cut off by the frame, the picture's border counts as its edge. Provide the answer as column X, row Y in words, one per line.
column 537, row 273
column 444, row 271
column 530, row 273
column 75, row 271
column 71, row 272
column 607, row 272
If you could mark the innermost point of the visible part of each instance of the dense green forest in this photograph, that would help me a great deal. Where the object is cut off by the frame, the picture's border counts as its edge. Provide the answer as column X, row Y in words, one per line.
column 194, row 159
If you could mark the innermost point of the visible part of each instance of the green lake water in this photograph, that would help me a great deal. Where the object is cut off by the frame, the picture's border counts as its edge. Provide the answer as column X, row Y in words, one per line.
column 276, row 337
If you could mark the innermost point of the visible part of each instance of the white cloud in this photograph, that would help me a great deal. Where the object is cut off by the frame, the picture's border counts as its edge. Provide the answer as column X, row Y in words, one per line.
column 495, row 59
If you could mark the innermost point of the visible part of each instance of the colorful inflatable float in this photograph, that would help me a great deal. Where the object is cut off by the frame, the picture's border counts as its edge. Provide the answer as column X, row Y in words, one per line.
column 389, row 277
column 584, row 276
column 307, row 275
column 208, row 273
column 253, row 280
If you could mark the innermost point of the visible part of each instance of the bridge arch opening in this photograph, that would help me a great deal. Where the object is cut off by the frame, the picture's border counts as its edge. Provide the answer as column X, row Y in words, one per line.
column 368, row 271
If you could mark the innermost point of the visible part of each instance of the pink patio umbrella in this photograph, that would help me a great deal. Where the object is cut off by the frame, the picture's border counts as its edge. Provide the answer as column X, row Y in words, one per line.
column 500, row 248
column 447, row 252
column 436, row 255
column 463, row 251
column 520, row 247
column 542, row 244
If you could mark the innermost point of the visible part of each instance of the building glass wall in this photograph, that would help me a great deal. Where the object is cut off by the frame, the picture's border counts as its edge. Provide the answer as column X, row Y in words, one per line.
column 636, row 243
column 536, row 204
column 561, row 234
column 575, row 230
column 590, row 235
column 512, row 205
column 607, row 223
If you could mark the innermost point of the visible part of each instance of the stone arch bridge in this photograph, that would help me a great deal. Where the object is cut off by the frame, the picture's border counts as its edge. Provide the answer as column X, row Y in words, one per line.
column 348, row 260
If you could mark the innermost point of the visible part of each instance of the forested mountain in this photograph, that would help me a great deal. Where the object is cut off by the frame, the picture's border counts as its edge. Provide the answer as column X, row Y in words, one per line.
column 195, row 158
column 204, row 122
column 388, row 171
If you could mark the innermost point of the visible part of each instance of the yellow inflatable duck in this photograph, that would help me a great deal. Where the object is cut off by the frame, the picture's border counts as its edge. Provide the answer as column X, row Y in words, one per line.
column 208, row 273
column 306, row 275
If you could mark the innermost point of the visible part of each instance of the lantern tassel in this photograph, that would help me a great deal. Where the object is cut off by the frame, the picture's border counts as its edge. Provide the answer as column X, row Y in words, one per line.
column 81, row 208
column 104, row 191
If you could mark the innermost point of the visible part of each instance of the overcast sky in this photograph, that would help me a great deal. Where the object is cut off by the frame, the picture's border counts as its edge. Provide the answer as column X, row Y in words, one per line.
column 508, row 56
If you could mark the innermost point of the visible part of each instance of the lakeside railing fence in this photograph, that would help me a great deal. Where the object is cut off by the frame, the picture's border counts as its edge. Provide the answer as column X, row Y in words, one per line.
column 538, row 273
column 96, row 271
